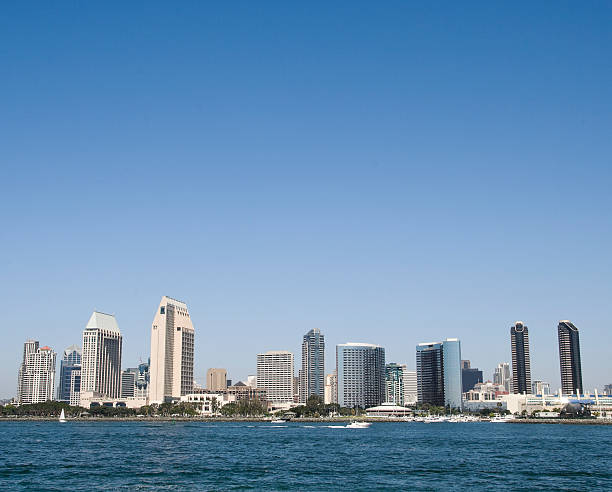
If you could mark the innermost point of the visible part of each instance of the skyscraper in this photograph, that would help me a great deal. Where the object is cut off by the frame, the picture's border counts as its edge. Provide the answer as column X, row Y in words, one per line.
column 172, row 340
column 101, row 359
column 439, row 373
column 36, row 378
column 394, row 380
column 312, row 376
column 275, row 375
column 569, row 357
column 216, row 379
column 501, row 376
column 361, row 374
column 71, row 361
column 521, row 365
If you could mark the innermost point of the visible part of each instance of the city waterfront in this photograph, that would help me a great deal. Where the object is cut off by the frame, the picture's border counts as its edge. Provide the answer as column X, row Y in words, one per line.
column 300, row 455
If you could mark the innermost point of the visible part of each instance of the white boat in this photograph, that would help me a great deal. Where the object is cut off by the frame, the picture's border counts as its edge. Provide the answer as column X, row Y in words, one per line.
column 359, row 425
column 278, row 421
column 505, row 418
column 62, row 417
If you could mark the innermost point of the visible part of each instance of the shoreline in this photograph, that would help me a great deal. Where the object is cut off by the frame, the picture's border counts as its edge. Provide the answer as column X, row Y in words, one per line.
column 209, row 420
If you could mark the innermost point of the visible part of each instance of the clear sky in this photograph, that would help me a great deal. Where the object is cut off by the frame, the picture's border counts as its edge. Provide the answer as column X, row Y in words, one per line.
column 387, row 172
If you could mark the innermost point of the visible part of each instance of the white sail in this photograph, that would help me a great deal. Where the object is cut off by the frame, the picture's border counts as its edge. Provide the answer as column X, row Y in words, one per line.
column 62, row 417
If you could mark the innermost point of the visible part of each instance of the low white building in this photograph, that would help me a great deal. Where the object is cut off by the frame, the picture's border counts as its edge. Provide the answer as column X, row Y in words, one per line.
column 207, row 404
column 388, row 410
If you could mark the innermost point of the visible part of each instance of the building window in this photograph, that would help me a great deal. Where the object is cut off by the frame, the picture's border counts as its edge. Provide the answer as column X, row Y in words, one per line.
column 162, row 310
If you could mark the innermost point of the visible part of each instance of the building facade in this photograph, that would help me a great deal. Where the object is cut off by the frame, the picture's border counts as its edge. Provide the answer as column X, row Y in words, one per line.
column 36, row 377
column 275, row 375
column 394, row 381
column 569, row 358
column 439, row 373
column 469, row 376
column 521, row 364
column 361, row 374
column 101, row 357
column 501, row 375
column 540, row 388
column 128, row 382
column 172, row 352
column 331, row 388
column 216, row 379
column 411, row 392
column 312, row 376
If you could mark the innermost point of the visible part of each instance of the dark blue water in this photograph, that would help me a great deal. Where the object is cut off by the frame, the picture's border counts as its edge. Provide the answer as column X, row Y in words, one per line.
column 297, row 456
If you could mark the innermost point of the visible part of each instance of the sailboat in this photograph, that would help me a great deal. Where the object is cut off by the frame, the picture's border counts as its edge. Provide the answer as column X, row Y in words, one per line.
column 62, row 417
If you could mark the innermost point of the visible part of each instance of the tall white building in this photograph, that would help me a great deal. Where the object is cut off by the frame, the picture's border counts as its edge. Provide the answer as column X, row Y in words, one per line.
column 172, row 341
column 411, row 394
column 36, row 378
column 275, row 375
column 101, row 359
column 331, row 388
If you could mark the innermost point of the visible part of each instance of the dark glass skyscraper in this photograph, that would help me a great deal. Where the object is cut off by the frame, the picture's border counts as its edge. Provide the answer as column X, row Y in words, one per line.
column 70, row 361
column 569, row 357
column 521, row 365
column 312, row 375
column 439, row 373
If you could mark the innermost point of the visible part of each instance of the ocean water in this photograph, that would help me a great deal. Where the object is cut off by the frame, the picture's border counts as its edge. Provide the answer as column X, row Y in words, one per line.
column 303, row 456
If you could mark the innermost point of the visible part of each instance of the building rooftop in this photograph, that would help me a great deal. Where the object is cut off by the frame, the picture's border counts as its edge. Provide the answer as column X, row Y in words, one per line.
column 102, row 321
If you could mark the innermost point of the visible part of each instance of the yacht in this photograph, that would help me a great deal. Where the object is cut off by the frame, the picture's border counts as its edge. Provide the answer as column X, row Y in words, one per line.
column 359, row 425
column 62, row 417
column 278, row 421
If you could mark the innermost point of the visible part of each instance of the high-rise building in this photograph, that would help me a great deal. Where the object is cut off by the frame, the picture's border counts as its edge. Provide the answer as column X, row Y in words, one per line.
column 331, row 388
column 71, row 361
column 361, row 374
column 128, row 382
column 101, row 358
column 36, row 378
column 521, row 365
column 607, row 390
column 501, row 376
column 470, row 376
column 540, row 388
column 411, row 393
column 439, row 373
column 569, row 357
column 172, row 341
column 216, row 379
column 275, row 375
column 394, row 380
column 142, row 381
column 312, row 376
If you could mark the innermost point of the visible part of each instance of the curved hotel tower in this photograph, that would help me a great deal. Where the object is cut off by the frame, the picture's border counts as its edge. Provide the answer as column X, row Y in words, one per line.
column 172, row 337
column 569, row 357
column 521, row 365
column 439, row 373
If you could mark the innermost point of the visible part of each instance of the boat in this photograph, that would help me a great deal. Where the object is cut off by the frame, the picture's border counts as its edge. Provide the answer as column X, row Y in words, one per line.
column 504, row 418
column 278, row 421
column 359, row 425
column 62, row 417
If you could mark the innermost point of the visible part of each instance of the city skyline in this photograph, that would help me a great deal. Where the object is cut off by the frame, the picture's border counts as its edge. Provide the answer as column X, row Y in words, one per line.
column 203, row 380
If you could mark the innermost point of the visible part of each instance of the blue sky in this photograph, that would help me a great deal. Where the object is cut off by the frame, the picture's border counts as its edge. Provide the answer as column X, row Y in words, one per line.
column 388, row 173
